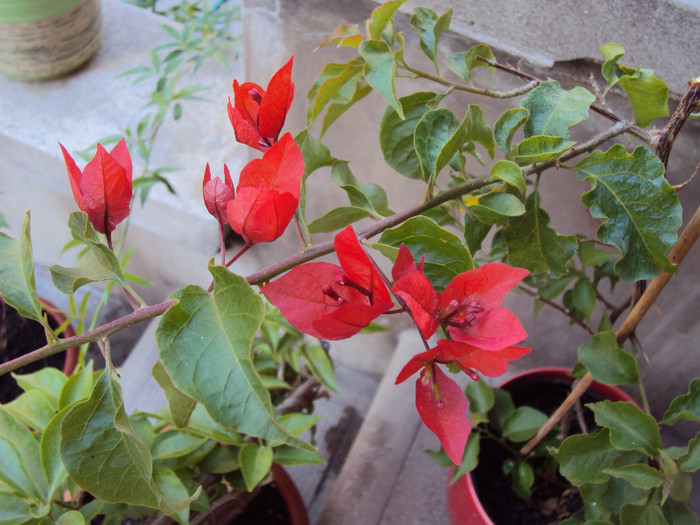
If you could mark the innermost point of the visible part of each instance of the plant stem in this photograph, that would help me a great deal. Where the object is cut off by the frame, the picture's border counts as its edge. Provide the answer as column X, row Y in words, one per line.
column 676, row 255
column 559, row 308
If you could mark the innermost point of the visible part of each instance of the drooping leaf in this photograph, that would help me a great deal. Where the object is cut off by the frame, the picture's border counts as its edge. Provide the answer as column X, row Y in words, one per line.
column 474, row 233
column 103, row 454
column 181, row 405
column 50, row 453
column 396, row 134
column 554, row 110
column 320, row 365
column 17, row 285
column 255, row 461
column 430, row 28
column 630, row 428
column 540, row 148
column 510, row 173
column 607, row 362
column 506, row 126
column 685, row 407
column 445, row 255
column 316, row 155
column 462, row 63
column 583, row 458
column 205, row 343
column 380, row 70
column 534, row 245
column 99, row 263
column 648, row 94
column 380, row 18
column 370, row 197
column 640, row 210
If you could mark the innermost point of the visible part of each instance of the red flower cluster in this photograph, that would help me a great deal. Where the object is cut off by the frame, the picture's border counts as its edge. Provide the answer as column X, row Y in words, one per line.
column 103, row 188
column 268, row 190
column 335, row 302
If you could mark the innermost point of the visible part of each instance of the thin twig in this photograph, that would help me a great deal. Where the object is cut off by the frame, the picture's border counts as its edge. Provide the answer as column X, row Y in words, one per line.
column 560, row 308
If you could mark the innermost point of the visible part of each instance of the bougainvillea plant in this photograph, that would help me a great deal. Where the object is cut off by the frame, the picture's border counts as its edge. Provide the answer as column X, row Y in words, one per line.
column 454, row 258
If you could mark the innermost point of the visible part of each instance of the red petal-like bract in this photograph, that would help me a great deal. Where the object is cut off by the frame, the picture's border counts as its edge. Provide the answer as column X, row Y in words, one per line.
column 217, row 194
column 103, row 189
column 276, row 101
column 268, row 193
column 444, row 411
column 491, row 363
column 422, row 299
column 341, row 310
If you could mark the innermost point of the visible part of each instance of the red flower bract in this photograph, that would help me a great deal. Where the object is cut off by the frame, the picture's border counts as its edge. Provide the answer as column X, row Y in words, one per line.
column 217, row 194
column 257, row 116
column 103, row 189
column 329, row 301
column 268, row 193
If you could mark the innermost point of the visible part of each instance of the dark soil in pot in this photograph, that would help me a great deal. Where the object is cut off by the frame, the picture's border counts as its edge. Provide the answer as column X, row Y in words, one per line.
column 552, row 497
column 19, row 336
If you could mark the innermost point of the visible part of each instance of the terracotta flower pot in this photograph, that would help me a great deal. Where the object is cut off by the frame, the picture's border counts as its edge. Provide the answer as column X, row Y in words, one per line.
column 42, row 39
column 463, row 503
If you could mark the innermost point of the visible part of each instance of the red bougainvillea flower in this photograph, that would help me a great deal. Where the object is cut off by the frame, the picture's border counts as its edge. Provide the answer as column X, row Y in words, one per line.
column 329, row 301
column 469, row 306
column 268, row 193
column 103, row 188
column 217, row 194
column 257, row 116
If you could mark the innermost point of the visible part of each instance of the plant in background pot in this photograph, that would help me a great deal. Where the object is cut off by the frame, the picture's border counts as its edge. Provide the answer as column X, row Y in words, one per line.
column 453, row 257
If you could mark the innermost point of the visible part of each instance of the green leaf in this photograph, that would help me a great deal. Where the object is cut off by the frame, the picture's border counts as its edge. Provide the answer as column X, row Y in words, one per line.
column 580, row 300
column 380, row 70
column 690, row 462
column 181, row 405
column 462, row 63
column 255, row 463
column 470, row 458
column 98, row 264
column 15, row 510
column 648, row 94
column 174, row 444
column 523, row 423
column 169, row 484
column 432, row 133
column 677, row 513
column 630, row 428
column 27, row 447
column 72, row 517
column 381, row 16
column 685, row 407
column 480, row 396
column 430, row 28
column 17, row 285
column 523, row 479
column 221, row 461
column 583, row 458
column 474, row 233
column 496, row 208
column 640, row 476
column 445, row 255
column 607, row 362
column 603, row 500
column 534, row 245
column 502, row 406
column 639, row 208
column 320, row 365
column 370, row 197
column 554, row 110
column 316, row 155
column 337, row 219
column 540, row 148
column 332, row 79
column 205, row 342
column 50, row 453
column 396, row 134
column 506, row 126
column 77, row 387
column 13, row 472
column 510, row 173
column 289, row 456
column 32, row 408
column 646, row 514
column 49, row 381
column 103, row 454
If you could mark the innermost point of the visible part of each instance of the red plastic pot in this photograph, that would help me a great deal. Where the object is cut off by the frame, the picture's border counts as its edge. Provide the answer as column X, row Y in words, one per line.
column 463, row 505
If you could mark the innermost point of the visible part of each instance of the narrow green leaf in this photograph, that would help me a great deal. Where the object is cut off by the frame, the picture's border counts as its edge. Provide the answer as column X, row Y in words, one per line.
column 630, row 428
column 462, row 63
column 510, row 173
column 470, row 458
column 205, row 342
column 50, row 454
column 17, row 285
column 640, row 209
column 640, row 476
column 98, row 264
column 554, row 110
column 77, row 387
column 381, row 16
column 180, row 404
column 506, row 126
column 289, row 456
column 583, row 458
column 396, row 134
column 523, row 423
column 255, row 463
column 174, row 444
column 445, row 255
column 380, row 70
column 534, row 245
column 685, row 407
column 607, row 362
column 320, row 365
column 540, row 148
column 337, row 219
